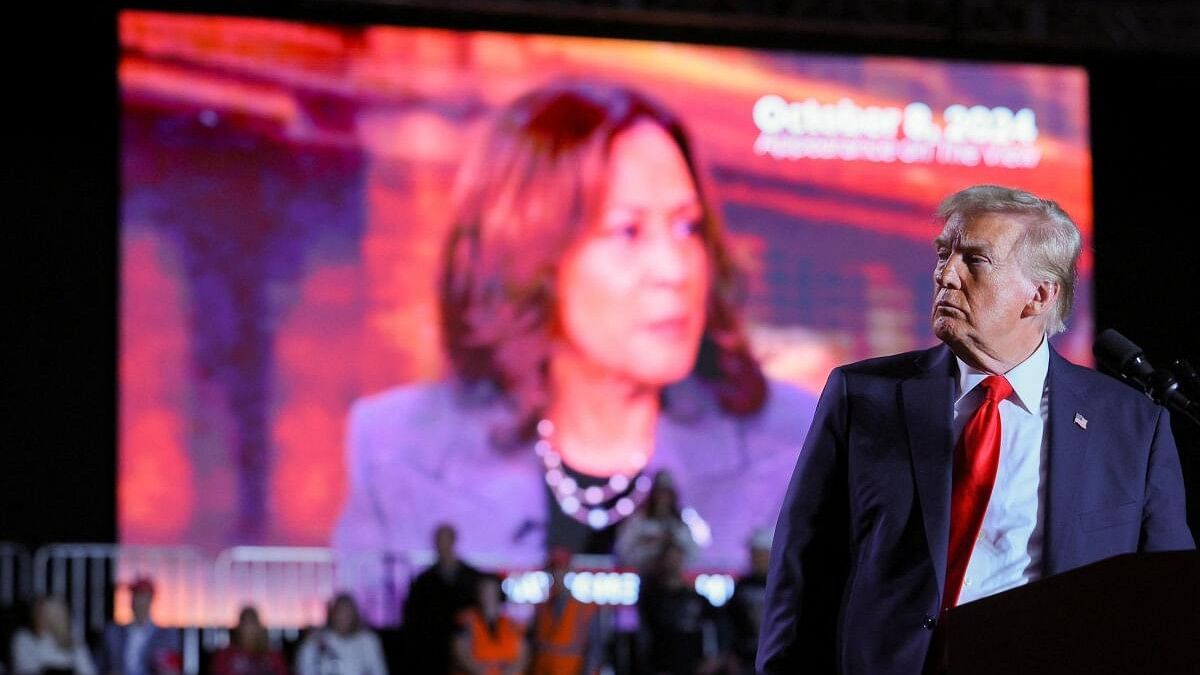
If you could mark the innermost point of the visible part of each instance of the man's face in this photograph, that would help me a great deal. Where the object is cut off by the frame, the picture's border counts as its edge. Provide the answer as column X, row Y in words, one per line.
column 140, row 604
column 981, row 292
column 443, row 541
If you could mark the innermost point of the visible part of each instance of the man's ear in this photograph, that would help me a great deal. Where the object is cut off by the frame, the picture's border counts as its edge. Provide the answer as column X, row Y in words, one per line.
column 1045, row 294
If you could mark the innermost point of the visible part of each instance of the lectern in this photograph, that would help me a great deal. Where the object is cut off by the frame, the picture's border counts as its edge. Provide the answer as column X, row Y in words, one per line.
column 1134, row 613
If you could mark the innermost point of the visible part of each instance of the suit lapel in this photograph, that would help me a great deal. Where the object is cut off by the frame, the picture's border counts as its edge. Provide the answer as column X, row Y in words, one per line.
column 928, row 400
column 1065, row 453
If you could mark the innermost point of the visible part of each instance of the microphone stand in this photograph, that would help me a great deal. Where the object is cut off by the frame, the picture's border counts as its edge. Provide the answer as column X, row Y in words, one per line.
column 1129, row 363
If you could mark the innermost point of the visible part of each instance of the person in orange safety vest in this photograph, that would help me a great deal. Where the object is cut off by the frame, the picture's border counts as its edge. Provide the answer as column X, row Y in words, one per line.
column 488, row 642
column 565, row 637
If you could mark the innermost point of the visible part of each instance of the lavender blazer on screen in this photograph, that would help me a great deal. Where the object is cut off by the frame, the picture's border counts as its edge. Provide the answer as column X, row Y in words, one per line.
column 421, row 454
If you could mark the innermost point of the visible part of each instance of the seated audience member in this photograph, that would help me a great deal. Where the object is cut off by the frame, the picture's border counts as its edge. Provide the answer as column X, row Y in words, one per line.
column 49, row 647
column 343, row 647
column 679, row 626
column 140, row 647
column 568, row 637
column 488, row 642
column 248, row 652
column 435, row 599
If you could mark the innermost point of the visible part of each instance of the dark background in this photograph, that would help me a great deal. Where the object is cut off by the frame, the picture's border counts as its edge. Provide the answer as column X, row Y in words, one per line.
column 58, row 466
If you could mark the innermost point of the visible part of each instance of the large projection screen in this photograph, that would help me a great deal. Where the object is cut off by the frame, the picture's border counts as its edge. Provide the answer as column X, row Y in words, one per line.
column 287, row 189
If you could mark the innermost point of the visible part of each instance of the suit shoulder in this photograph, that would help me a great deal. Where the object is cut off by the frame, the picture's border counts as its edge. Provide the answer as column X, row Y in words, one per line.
column 1096, row 386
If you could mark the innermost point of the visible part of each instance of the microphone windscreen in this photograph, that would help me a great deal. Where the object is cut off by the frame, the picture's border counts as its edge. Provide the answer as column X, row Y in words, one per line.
column 1113, row 349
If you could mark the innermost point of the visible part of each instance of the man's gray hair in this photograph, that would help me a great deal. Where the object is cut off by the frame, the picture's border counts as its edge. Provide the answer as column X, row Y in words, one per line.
column 1049, row 247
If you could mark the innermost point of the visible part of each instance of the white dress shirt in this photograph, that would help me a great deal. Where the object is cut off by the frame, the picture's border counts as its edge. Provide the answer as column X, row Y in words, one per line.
column 1008, row 550
column 136, row 637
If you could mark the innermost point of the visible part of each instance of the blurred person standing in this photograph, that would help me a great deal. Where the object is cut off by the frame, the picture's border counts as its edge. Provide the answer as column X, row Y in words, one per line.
column 679, row 626
column 567, row 637
column 488, row 642
column 435, row 599
column 642, row 538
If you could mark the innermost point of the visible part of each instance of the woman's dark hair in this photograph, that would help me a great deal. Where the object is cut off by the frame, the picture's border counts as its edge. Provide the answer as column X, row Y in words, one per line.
column 525, row 194
column 259, row 645
column 344, row 599
column 663, row 482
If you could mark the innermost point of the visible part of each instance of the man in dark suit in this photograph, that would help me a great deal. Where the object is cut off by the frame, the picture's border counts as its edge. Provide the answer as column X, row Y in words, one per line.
column 140, row 647
column 436, row 597
column 934, row 478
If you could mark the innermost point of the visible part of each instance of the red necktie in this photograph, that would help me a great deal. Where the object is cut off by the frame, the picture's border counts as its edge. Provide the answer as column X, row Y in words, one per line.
column 976, row 457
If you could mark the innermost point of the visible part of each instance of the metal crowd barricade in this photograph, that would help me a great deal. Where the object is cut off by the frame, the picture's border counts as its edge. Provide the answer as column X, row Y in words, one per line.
column 292, row 585
column 93, row 579
column 289, row 585
column 15, row 581
column 202, row 596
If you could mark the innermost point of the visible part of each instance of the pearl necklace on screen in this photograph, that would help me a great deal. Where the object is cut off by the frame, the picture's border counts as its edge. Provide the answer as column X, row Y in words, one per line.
column 586, row 505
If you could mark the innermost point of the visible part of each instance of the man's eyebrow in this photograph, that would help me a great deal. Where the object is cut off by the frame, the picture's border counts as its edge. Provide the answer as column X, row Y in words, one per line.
column 964, row 244
column 967, row 244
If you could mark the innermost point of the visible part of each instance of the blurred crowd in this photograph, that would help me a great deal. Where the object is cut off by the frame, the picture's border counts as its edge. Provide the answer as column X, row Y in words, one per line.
column 456, row 619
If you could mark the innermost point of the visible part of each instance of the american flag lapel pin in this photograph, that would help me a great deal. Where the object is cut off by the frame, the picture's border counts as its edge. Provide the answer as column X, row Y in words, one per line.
column 1080, row 421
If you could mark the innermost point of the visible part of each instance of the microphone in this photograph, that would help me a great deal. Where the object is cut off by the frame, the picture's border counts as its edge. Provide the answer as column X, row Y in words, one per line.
column 1117, row 353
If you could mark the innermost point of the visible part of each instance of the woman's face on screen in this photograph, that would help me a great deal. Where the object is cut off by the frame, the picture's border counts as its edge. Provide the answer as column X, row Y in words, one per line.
column 632, row 292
